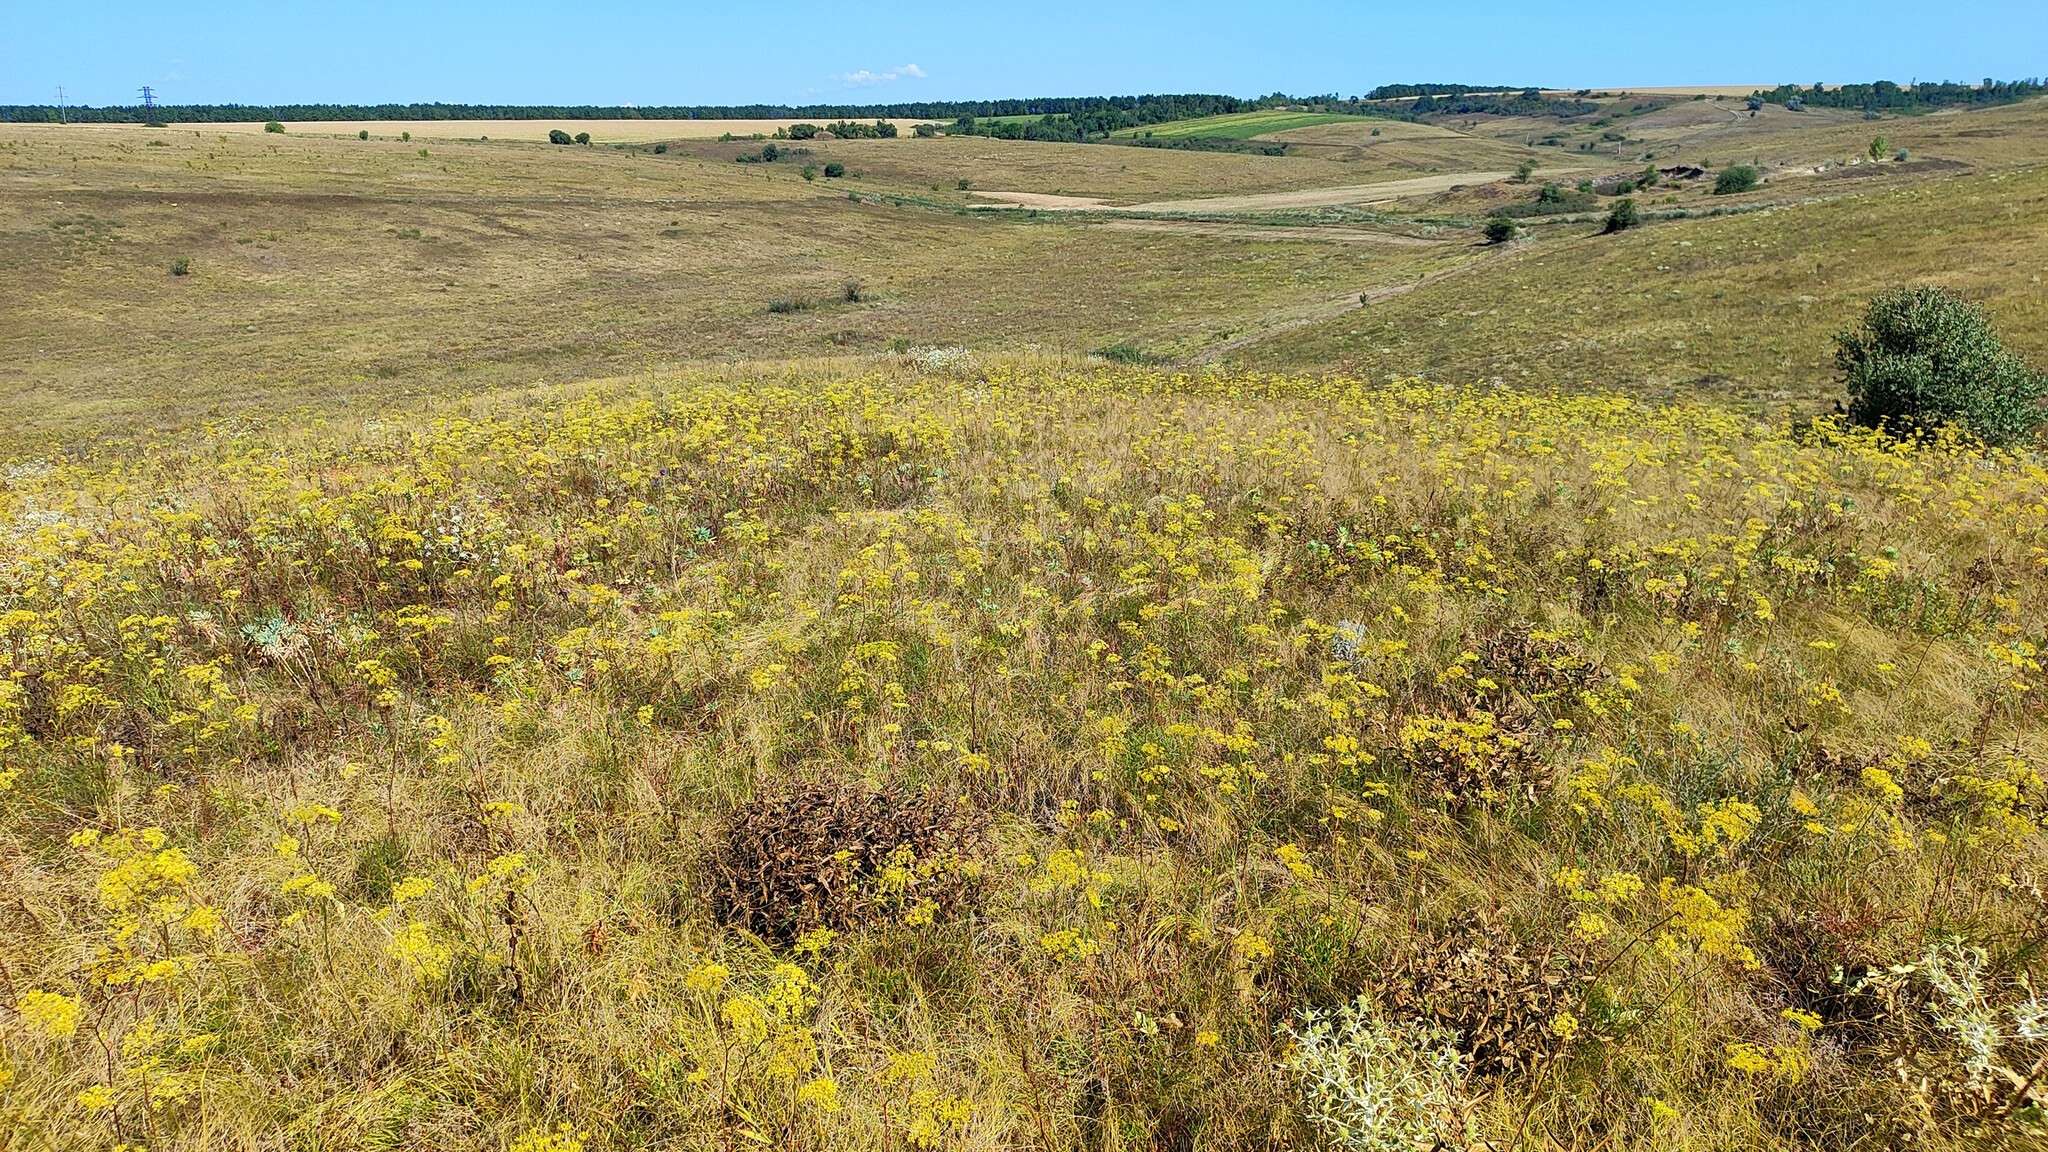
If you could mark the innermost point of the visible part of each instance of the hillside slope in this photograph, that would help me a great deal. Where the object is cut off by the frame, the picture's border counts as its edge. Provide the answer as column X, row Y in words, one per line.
column 991, row 755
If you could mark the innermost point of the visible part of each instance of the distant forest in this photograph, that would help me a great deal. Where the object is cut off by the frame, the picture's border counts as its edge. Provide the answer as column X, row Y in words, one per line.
column 1111, row 107
column 1885, row 96
column 1060, row 117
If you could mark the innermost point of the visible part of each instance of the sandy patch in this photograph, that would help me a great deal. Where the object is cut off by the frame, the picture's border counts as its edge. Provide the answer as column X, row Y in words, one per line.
column 1042, row 200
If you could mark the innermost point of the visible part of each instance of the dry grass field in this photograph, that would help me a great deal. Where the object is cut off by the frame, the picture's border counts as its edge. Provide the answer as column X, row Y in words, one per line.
column 601, row 131
column 329, row 271
column 516, row 648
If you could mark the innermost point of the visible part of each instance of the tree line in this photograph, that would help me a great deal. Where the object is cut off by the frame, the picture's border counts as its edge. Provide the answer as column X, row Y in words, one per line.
column 1886, row 96
column 1084, row 106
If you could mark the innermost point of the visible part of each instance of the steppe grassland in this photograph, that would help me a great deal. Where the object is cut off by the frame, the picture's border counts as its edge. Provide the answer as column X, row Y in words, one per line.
column 364, row 779
column 326, row 271
column 933, row 168
column 1739, row 308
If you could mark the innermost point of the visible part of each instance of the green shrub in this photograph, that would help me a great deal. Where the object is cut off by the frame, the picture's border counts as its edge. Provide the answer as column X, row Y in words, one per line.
column 1624, row 216
column 583, row 137
column 835, row 170
column 273, row 126
column 1500, row 230
column 784, row 305
column 557, row 136
column 1124, row 352
column 810, row 172
column 181, row 267
column 1925, row 358
column 661, row 149
column 405, row 136
column 363, row 135
column 1523, row 171
column 853, row 292
column 1740, row 178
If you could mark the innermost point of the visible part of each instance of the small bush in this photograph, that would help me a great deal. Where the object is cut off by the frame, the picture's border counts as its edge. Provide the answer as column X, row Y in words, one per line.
column 405, row 137
column 853, row 292
column 964, row 184
column 1370, row 1085
column 661, row 149
column 810, row 172
column 363, row 135
column 1925, row 358
column 583, row 137
column 181, row 267
column 784, row 305
column 1902, row 155
column 1523, row 171
column 273, row 126
column 1740, row 178
column 1500, row 230
column 835, row 170
column 1124, row 352
column 557, row 136
column 1623, row 217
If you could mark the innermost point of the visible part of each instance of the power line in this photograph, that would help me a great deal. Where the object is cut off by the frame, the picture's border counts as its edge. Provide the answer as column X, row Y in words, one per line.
column 60, row 104
column 148, row 99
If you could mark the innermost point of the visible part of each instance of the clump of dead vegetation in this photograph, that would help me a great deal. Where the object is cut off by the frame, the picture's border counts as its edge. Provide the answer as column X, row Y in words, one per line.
column 838, row 854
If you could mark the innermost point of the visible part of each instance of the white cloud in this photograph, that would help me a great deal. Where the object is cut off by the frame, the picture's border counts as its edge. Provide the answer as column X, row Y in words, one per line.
column 864, row 77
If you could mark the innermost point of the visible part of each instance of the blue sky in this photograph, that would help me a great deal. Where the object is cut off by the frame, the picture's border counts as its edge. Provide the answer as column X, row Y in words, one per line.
column 617, row 52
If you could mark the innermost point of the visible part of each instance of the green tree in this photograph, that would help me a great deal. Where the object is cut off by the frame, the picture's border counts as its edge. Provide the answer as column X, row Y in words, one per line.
column 1740, row 178
column 273, row 126
column 1524, row 170
column 835, row 169
column 557, row 136
column 1877, row 147
column 1500, row 230
column 1925, row 358
column 1624, row 216
column 583, row 137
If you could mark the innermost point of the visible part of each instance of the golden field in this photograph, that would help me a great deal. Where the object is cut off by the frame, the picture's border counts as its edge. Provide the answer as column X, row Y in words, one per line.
column 376, row 784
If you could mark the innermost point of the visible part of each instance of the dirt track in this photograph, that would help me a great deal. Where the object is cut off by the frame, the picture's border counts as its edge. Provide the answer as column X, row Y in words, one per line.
column 1227, row 231
column 1380, row 193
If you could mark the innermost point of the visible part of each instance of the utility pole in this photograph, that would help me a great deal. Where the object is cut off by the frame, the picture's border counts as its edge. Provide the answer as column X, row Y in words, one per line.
column 60, row 104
